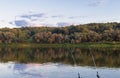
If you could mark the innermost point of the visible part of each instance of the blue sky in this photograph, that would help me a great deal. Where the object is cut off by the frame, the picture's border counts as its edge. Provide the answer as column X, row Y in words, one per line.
column 58, row 12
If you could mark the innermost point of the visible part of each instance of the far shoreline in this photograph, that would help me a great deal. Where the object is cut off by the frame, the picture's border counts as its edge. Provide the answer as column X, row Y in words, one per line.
column 64, row 45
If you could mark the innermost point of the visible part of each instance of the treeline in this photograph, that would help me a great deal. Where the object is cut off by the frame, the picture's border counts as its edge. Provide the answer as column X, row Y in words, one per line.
column 94, row 32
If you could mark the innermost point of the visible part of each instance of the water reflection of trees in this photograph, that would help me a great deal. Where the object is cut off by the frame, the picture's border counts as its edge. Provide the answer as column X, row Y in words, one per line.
column 103, row 57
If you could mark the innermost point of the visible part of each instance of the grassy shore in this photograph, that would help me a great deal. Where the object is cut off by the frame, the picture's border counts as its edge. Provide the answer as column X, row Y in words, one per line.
column 82, row 45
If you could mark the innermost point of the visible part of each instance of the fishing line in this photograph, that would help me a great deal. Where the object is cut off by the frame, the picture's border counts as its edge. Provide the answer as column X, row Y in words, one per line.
column 93, row 59
column 74, row 60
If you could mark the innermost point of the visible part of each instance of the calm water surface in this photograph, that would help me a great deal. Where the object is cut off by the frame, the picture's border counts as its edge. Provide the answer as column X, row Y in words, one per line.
column 59, row 63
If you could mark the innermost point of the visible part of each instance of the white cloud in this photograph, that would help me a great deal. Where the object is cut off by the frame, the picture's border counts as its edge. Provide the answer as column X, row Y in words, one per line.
column 95, row 3
column 30, row 16
column 45, row 19
column 60, row 24
column 21, row 23
column 4, row 24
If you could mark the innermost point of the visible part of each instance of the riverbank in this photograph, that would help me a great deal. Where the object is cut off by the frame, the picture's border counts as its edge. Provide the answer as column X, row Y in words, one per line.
column 82, row 45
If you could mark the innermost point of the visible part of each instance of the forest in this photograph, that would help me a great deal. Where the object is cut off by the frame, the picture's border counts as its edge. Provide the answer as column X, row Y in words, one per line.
column 93, row 32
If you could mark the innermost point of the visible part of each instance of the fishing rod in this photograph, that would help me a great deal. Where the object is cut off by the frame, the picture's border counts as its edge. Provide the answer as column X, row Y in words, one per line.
column 74, row 60
column 93, row 59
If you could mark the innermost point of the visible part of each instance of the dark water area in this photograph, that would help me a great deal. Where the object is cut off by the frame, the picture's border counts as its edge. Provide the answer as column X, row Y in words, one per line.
column 59, row 63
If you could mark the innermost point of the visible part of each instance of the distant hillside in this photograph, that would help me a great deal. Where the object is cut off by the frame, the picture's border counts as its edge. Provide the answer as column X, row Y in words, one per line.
column 93, row 32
